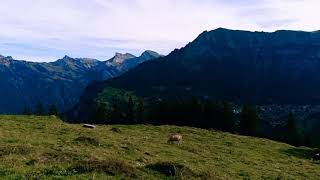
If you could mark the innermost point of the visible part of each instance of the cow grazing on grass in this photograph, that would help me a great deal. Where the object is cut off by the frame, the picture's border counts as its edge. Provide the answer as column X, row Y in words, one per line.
column 176, row 138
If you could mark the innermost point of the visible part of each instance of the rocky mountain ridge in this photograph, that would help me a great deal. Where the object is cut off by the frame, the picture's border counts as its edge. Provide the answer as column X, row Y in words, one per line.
column 26, row 84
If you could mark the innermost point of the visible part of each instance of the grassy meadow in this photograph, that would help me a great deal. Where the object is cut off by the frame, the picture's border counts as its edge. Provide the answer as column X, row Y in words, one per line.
column 33, row 147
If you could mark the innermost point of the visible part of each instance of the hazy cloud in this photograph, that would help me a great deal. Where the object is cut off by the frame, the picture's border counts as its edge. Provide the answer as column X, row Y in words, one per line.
column 46, row 29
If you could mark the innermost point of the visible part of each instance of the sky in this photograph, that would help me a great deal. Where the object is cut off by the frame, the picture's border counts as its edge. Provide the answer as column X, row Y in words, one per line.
column 46, row 30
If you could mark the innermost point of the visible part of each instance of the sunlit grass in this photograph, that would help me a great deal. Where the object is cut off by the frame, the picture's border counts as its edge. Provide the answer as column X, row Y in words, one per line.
column 45, row 147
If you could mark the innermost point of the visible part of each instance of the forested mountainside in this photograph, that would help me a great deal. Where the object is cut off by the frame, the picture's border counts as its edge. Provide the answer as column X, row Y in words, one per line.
column 228, row 65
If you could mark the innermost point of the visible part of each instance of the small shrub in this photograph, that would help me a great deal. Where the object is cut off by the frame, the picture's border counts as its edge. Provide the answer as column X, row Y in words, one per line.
column 11, row 141
column 244, row 174
column 304, row 153
column 172, row 169
column 31, row 162
column 3, row 172
column 209, row 176
column 59, row 157
column 56, row 171
column 88, row 140
column 116, row 130
column 110, row 167
column 15, row 149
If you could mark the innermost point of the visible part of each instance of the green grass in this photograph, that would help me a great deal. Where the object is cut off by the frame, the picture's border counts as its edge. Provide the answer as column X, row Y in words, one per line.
column 34, row 147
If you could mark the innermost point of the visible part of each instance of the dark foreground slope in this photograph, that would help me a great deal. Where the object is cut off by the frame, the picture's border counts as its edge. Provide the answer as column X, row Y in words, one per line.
column 236, row 66
column 46, row 148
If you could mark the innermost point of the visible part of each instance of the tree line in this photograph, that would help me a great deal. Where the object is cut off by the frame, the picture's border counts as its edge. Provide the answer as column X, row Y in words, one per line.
column 40, row 110
column 206, row 114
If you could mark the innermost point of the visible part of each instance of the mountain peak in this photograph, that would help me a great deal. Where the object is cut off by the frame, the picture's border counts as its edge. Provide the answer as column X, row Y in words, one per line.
column 127, row 61
column 222, row 29
column 126, row 55
column 148, row 54
column 64, row 61
column 208, row 34
column 118, row 54
column 6, row 60
column 66, row 57
column 119, row 58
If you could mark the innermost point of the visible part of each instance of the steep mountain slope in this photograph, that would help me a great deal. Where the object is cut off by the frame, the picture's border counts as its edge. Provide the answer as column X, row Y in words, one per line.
column 238, row 66
column 25, row 84
column 56, row 150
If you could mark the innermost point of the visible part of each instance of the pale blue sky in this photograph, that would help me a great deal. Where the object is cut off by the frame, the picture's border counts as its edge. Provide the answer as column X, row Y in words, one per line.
column 45, row 30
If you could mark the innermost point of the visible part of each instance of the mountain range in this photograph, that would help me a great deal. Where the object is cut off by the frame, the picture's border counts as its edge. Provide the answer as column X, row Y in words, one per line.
column 228, row 65
column 60, row 83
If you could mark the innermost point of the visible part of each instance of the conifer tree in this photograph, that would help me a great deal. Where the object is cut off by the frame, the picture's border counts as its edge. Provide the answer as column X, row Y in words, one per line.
column 26, row 111
column 39, row 109
column 100, row 114
column 208, row 117
column 53, row 110
column 116, row 115
column 130, row 111
column 249, row 120
column 159, row 112
column 292, row 131
column 227, row 118
column 140, row 112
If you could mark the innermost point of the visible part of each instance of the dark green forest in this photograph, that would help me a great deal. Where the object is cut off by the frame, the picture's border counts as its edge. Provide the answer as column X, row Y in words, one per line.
column 115, row 106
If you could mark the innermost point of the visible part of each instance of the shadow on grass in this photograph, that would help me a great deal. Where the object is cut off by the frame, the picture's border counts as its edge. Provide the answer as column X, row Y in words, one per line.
column 111, row 166
column 178, row 171
column 58, row 157
column 88, row 140
column 302, row 153
column 170, row 169
column 116, row 130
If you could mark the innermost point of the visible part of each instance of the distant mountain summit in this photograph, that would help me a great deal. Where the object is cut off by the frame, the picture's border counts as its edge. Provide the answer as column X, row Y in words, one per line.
column 79, row 63
column 128, row 61
column 119, row 58
column 25, row 84
column 147, row 55
column 6, row 60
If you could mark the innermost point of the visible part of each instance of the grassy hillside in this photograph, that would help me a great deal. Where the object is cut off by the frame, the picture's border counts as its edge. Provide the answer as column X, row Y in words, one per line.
column 46, row 148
